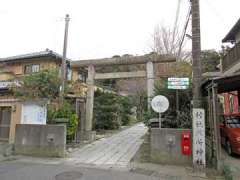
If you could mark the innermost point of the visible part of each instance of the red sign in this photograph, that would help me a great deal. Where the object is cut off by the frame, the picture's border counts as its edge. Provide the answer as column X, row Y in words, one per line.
column 186, row 143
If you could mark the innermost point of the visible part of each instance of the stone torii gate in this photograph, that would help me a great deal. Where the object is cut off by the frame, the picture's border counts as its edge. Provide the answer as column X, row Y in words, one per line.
column 149, row 60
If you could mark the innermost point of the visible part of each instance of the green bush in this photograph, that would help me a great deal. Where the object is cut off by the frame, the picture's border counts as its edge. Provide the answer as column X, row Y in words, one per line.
column 65, row 111
column 111, row 111
column 147, row 116
column 125, row 110
column 106, row 111
column 41, row 85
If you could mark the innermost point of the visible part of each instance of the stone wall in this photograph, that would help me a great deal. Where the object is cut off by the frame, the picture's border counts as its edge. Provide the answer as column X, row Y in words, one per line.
column 165, row 145
column 40, row 140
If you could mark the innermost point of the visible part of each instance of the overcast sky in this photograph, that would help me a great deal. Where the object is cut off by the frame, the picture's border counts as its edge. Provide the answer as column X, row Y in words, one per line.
column 103, row 28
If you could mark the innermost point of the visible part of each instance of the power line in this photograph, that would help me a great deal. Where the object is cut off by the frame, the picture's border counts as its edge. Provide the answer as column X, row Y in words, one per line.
column 176, row 19
column 184, row 31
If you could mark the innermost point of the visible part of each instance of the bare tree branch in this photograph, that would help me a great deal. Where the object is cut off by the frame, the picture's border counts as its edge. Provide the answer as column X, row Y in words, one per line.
column 167, row 41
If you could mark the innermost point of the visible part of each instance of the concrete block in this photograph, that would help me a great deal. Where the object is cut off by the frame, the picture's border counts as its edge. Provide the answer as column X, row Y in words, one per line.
column 40, row 140
column 165, row 145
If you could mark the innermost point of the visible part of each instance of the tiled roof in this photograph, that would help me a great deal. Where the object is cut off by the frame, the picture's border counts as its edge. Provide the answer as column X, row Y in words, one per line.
column 45, row 53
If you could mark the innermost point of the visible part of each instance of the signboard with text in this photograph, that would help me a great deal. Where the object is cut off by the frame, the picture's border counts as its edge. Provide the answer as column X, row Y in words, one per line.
column 160, row 104
column 33, row 113
column 199, row 137
column 7, row 84
column 178, row 83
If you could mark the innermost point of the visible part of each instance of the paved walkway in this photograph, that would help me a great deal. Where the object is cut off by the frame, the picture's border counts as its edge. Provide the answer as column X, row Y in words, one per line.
column 114, row 151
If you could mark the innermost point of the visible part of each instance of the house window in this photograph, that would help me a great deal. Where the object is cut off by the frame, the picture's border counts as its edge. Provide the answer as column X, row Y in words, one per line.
column 82, row 77
column 32, row 68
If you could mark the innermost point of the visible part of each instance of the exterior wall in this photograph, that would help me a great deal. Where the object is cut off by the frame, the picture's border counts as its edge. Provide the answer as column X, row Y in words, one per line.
column 40, row 140
column 17, row 68
column 166, row 147
column 78, row 88
column 6, row 76
column 15, row 115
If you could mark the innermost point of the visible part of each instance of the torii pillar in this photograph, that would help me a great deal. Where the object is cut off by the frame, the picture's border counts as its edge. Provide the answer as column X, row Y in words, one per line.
column 150, row 82
column 89, row 134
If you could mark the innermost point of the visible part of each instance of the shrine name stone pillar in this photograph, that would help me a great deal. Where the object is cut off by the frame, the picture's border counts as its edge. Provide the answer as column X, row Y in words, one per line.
column 150, row 82
column 88, row 133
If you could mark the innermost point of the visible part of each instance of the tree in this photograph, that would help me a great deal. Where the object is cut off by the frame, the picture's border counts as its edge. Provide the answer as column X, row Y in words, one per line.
column 125, row 110
column 210, row 60
column 117, row 110
column 42, row 85
column 168, row 41
column 106, row 111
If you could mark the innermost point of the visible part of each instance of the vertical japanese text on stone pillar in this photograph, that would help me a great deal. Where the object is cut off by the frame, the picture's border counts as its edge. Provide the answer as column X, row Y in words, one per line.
column 199, row 157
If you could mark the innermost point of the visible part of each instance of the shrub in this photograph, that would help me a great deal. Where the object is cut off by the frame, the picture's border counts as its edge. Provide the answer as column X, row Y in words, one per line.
column 65, row 111
column 111, row 111
column 106, row 111
column 125, row 110
column 41, row 85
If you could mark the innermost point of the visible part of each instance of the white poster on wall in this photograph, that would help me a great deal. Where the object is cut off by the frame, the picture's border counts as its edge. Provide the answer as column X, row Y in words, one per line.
column 199, row 137
column 33, row 113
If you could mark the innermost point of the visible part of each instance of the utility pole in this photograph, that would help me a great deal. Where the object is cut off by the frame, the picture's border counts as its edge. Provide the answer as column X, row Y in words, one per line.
column 199, row 157
column 196, row 51
column 63, row 72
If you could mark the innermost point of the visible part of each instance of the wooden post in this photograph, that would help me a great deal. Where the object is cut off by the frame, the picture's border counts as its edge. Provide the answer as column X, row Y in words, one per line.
column 216, row 127
column 210, row 120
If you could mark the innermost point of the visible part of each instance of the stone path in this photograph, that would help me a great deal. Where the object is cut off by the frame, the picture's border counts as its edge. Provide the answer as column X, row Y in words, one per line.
column 114, row 151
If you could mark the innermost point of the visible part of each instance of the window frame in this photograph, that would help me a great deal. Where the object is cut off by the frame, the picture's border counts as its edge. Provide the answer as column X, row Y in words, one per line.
column 31, row 68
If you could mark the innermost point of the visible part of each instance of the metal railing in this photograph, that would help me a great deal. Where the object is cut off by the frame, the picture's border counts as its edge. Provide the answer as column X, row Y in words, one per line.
column 231, row 58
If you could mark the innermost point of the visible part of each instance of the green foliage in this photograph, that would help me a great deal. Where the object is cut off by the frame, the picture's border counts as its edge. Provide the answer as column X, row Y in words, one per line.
column 65, row 111
column 184, row 118
column 44, row 84
column 147, row 116
column 125, row 110
column 111, row 111
column 106, row 111
column 210, row 59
